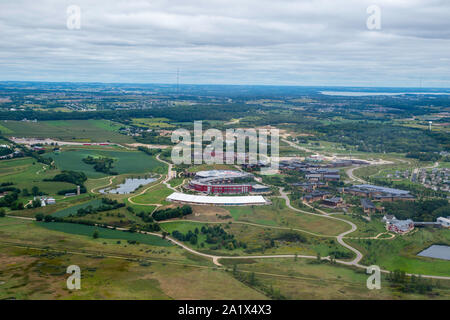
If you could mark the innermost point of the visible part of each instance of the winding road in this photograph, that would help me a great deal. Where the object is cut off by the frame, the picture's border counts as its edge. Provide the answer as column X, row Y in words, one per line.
column 339, row 238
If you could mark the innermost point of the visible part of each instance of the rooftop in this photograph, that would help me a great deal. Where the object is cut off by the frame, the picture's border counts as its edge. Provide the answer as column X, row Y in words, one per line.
column 214, row 200
column 369, row 187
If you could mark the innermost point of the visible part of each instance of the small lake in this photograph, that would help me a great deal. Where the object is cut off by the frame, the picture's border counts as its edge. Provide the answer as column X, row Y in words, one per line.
column 436, row 251
column 128, row 186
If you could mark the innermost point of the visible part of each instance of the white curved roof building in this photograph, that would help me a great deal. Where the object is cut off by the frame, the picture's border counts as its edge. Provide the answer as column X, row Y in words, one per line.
column 218, row 201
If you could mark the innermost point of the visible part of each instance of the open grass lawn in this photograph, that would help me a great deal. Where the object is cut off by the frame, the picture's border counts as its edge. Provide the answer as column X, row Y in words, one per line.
column 26, row 173
column 277, row 214
column 401, row 252
column 68, row 130
column 258, row 240
column 157, row 194
column 126, row 161
column 381, row 170
column 304, row 279
column 365, row 228
column 175, row 182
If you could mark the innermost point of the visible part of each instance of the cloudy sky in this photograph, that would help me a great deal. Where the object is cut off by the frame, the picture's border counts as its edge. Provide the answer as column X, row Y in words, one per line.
column 281, row 42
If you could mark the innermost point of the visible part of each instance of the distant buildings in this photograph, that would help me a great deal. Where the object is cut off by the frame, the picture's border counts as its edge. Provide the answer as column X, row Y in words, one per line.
column 308, row 186
column 400, row 226
column 214, row 200
column 368, row 206
column 444, row 222
column 46, row 201
column 404, row 226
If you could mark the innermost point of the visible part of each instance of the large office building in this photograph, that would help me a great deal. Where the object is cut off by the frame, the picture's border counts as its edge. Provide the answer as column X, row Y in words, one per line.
column 225, row 182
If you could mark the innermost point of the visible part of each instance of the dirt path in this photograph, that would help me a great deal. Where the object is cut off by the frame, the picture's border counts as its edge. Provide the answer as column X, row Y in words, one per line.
column 170, row 174
column 111, row 178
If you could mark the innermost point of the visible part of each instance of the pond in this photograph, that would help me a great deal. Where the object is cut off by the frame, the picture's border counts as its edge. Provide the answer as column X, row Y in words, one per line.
column 436, row 251
column 128, row 186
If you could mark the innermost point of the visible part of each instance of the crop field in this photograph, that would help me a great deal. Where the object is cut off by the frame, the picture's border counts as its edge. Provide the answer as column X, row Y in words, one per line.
column 4, row 130
column 277, row 214
column 68, row 130
column 126, row 161
column 401, row 252
column 26, row 173
column 73, row 210
column 158, row 194
column 85, row 230
column 211, row 167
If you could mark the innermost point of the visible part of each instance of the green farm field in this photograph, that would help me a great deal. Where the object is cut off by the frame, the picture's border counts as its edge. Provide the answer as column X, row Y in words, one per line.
column 126, row 161
column 68, row 130
column 104, row 233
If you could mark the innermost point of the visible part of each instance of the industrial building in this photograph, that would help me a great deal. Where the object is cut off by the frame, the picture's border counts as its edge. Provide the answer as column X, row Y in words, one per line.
column 378, row 192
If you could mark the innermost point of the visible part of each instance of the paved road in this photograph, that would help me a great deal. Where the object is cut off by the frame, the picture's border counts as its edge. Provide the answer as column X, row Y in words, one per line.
column 111, row 178
column 350, row 174
column 339, row 238
column 170, row 174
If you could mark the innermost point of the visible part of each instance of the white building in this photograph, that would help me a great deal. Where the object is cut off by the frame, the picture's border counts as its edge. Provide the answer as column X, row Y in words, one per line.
column 445, row 222
column 216, row 200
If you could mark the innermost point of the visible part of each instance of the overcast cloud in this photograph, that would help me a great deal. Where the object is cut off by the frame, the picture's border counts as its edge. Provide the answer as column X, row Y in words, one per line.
column 295, row 42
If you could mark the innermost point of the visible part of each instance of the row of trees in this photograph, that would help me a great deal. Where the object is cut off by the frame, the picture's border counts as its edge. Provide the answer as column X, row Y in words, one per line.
column 107, row 205
column 171, row 213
